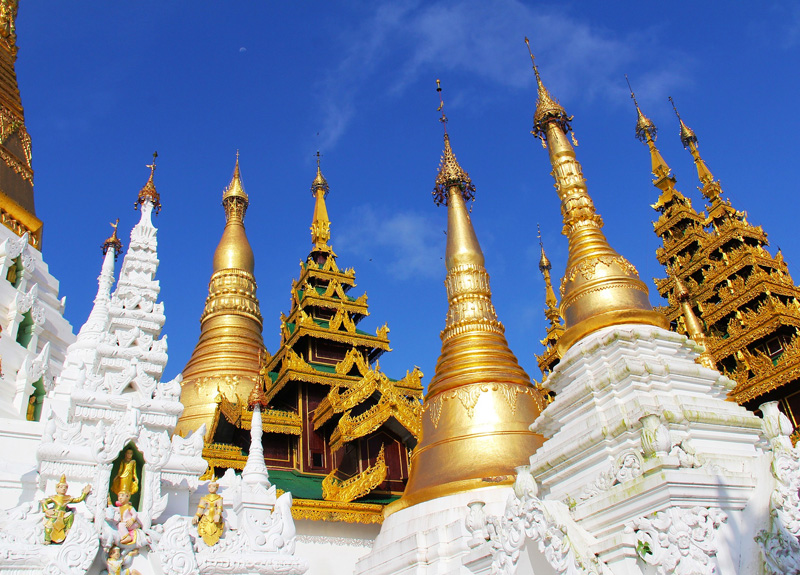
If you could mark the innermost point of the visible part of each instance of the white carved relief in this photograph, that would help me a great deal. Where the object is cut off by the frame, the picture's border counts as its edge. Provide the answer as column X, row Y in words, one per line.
column 679, row 541
column 627, row 466
column 780, row 542
column 526, row 519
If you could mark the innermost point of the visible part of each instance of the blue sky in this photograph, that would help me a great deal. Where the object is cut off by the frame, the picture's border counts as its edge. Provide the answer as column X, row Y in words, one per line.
column 104, row 84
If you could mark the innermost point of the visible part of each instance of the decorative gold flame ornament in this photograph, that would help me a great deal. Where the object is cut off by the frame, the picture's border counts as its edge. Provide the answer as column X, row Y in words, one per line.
column 600, row 288
column 225, row 362
column 480, row 402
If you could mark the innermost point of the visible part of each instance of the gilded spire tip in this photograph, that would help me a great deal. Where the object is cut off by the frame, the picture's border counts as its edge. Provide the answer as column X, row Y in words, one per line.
column 319, row 183
column 687, row 134
column 234, row 198
column 450, row 172
column 548, row 109
column 544, row 263
column 113, row 242
column 644, row 127
column 148, row 193
column 320, row 222
column 443, row 119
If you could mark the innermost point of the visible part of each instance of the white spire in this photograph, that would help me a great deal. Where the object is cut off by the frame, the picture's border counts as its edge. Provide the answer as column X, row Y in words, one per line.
column 255, row 471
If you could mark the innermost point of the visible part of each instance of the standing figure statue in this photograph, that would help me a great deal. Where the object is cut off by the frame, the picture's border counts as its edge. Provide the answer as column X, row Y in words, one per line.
column 128, row 523
column 57, row 513
column 116, row 564
column 208, row 518
column 126, row 478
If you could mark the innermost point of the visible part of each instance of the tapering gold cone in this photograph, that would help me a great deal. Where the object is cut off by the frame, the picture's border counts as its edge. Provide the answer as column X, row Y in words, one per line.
column 225, row 362
column 600, row 288
column 480, row 402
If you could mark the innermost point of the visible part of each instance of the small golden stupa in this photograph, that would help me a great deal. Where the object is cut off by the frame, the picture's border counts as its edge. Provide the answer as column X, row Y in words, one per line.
column 600, row 288
column 225, row 363
column 480, row 402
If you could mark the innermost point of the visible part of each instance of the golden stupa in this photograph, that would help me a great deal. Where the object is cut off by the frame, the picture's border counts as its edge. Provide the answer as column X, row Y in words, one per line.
column 225, row 362
column 480, row 402
column 600, row 288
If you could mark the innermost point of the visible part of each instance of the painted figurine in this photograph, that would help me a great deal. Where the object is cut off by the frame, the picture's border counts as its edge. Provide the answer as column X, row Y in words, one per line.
column 116, row 564
column 58, row 516
column 126, row 478
column 127, row 519
column 208, row 518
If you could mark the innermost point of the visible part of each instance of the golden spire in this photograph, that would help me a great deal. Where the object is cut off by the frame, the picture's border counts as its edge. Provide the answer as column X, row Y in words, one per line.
column 694, row 329
column 600, row 287
column 320, row 224
column 551, row 312
column 148, row 193
column 226, row 360
column 113, row 241
column 480, row 402
column 712, row 190
column 16, row 171
column 646, row 132
column 234, row 251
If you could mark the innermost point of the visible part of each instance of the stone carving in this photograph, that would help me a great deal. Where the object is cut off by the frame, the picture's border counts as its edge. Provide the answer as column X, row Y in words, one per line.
column 655, row 436
column 21, row 548
column 679, row 541
column 780, row 542
column 527, row 518
column 627, row 466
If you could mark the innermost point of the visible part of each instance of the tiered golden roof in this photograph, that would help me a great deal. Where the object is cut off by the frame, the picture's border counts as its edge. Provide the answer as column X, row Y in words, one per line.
column 721, row 275
column 480, row 402
column 600, row 287
column 225, row 363
column 333, row 422
column 17, row 209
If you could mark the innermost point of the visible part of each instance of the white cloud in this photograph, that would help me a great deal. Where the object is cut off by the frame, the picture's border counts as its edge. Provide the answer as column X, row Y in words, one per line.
column 406, row 244
column 486, row 39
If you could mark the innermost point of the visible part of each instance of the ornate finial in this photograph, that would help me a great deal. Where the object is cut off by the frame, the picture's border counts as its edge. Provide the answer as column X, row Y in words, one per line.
column 687, row 134
column 257, row 395
column 544, row 263
column 443, row 119
column 450, row 172
column 694, row 328
column 113, row 241
column 644, row 127
column 320, row 222
column 8, row 17
column 319, row 183
column 234, row 198
column 548, row 110
column 148, row 193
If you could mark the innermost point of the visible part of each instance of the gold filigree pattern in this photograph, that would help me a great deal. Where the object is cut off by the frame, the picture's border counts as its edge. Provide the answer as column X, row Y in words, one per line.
column 314, row 510
column 469, row 396
column 357, row 486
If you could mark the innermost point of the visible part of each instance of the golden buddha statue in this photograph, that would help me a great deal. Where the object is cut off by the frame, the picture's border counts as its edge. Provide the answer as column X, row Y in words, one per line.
column 208, row 518
column 58, row 515
column 126, row 479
